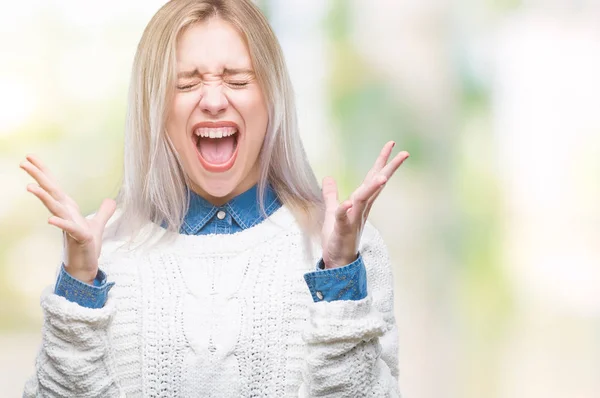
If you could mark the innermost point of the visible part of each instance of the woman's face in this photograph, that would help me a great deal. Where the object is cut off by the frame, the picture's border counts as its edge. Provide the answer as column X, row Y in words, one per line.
column 218, row 119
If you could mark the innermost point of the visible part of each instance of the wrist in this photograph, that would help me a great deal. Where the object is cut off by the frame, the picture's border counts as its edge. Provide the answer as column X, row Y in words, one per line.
column 340, row 262
column 85, row 277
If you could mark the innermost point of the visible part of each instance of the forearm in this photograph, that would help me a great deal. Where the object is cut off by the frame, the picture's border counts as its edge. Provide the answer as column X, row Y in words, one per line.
column 344, row 351
column 352, row 345
column 75, row 355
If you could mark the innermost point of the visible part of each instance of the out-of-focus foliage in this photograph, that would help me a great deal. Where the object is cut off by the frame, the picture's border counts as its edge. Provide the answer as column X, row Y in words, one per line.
column 492, row 223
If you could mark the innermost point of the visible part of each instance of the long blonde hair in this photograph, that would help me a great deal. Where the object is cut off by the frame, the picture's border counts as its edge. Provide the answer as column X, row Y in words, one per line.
column 154, row 183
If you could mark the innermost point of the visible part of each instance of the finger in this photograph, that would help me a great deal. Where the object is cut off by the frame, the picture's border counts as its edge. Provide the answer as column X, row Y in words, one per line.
column 105, row 212
column 391, row 168
column 371, row 201
column 381, row 160
column 51, row 204
column 363, row 194
column 71, row 228
column 341, row 213
column 330, row 194
column 42, row 180
column 38, row 163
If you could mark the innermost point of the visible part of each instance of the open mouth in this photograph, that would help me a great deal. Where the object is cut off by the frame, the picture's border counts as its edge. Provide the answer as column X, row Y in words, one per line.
column 216, row 147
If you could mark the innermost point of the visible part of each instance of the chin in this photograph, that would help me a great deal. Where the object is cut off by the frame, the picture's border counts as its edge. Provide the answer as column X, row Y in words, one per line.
column 218, row 188
column 219, row 191
column 215, row 188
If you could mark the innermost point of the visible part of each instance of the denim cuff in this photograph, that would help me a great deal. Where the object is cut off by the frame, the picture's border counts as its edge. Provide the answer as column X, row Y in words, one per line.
column 343, row 283
column 86, row 295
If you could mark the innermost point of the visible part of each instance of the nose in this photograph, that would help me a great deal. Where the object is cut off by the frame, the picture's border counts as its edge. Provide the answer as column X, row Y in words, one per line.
column 213, row 100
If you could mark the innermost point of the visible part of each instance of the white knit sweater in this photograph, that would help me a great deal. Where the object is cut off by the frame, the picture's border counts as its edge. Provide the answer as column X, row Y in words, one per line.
column 221, row 316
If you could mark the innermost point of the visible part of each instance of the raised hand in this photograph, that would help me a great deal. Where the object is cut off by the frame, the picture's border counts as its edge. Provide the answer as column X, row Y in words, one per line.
column 343, row 224
column 82, row 237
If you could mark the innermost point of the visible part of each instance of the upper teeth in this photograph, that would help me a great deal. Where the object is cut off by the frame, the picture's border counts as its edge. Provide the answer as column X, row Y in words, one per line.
column 212, row 132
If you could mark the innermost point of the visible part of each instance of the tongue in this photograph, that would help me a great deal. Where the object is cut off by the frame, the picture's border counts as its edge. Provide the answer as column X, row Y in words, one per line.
column 216, row 150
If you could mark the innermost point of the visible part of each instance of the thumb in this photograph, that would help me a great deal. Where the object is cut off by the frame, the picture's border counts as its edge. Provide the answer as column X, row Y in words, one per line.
column 330, row 194
column 105, row 212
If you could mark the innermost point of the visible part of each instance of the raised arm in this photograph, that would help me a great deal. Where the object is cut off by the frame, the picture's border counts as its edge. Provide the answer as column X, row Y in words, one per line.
column 74, row 359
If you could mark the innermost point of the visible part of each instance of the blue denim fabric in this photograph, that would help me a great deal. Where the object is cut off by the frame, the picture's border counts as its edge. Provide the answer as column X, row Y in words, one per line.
column 343, row 283
column 241, row 212
column 90, row 296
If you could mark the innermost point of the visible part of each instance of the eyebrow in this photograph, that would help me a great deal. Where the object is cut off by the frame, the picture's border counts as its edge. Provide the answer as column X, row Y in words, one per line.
column 188, row 74
column 226, row 71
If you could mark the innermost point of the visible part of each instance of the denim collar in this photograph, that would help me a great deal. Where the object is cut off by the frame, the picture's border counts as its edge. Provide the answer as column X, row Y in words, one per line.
column 244, row 209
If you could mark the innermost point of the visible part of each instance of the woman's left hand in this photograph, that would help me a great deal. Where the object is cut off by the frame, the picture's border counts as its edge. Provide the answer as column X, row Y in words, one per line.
column 343, row 223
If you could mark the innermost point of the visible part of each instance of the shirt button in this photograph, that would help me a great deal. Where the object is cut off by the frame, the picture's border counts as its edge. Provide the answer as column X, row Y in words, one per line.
column 220, row 214
column 320, row 295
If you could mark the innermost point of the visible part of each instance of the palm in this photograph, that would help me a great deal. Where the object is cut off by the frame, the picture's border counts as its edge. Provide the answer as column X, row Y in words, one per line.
column 82, row 236
column 343, row 223
column 87, row 238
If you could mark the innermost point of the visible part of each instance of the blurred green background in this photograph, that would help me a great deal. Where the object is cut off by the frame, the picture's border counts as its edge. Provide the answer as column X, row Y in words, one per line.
column 493, row 223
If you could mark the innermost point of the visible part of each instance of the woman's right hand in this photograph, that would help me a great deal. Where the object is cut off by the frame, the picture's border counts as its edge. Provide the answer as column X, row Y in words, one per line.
column 82, row 236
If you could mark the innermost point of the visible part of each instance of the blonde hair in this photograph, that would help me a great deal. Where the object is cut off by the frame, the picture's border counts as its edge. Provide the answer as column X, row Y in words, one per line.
column 154, row 182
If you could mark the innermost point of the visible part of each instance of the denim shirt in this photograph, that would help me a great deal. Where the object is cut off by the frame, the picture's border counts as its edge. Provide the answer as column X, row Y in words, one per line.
column 344, row 283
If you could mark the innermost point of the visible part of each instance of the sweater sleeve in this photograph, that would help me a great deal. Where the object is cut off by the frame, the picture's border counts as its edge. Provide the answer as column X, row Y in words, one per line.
column 352, row 346
column 74, row 359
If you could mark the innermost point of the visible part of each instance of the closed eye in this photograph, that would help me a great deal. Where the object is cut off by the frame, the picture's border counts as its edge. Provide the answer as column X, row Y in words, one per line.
column 186, row 87
column 238, row 84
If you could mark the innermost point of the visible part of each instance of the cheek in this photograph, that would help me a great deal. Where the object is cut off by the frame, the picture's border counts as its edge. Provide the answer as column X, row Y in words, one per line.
column 179, row 114
column 254, row 112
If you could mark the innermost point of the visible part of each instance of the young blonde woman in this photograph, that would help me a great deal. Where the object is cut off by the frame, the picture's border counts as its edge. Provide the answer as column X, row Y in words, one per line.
column 225, row 271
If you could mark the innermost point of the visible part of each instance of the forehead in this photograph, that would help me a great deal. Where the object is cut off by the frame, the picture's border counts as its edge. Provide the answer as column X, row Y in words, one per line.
column 211, row 46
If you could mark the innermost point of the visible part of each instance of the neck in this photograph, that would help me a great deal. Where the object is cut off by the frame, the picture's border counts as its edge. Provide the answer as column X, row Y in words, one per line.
column 246, row 183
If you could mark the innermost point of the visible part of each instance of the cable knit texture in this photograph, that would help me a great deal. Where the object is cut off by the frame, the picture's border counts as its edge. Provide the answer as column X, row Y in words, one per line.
column 221, row 316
